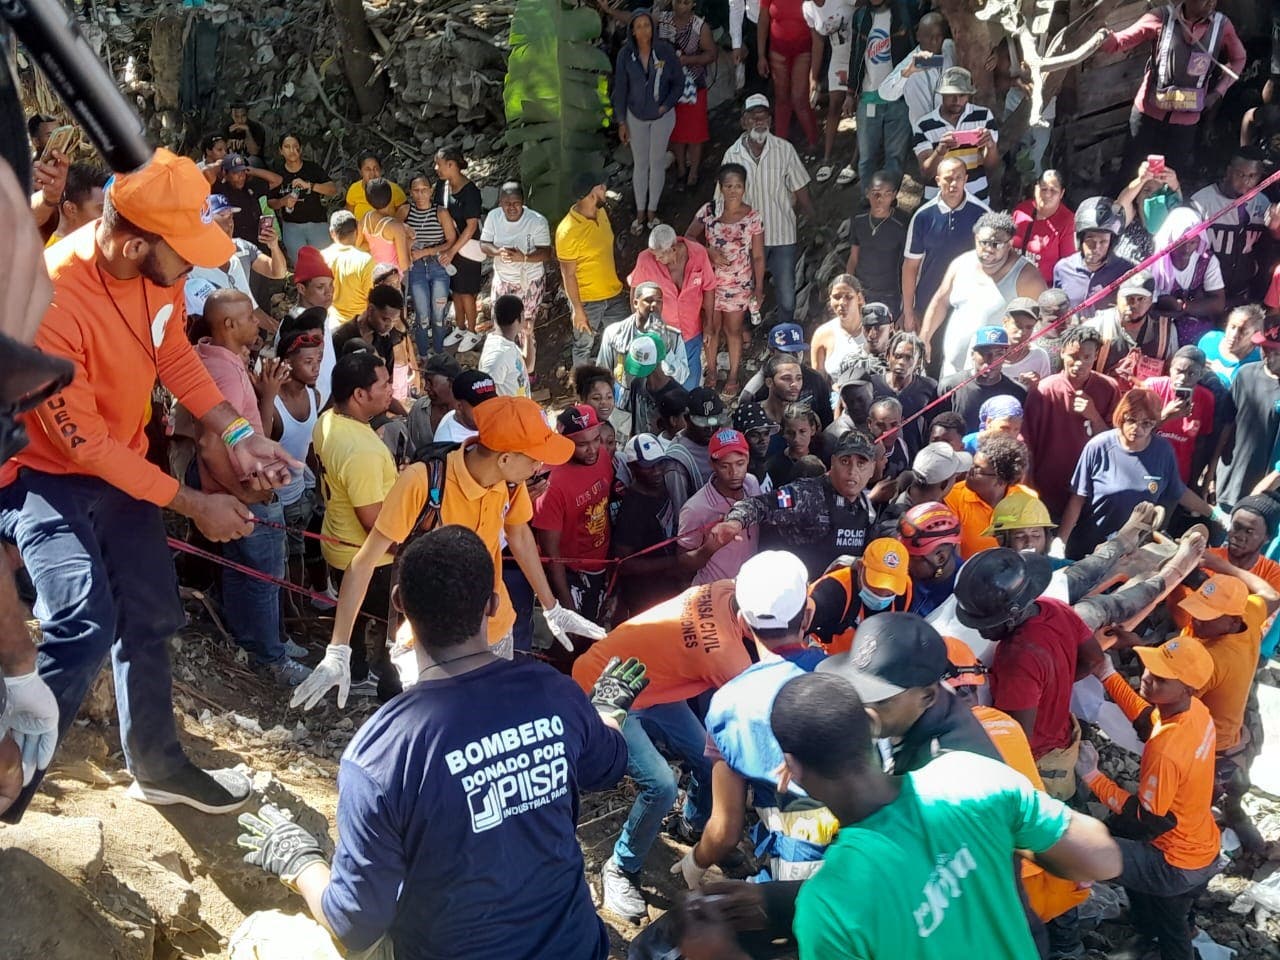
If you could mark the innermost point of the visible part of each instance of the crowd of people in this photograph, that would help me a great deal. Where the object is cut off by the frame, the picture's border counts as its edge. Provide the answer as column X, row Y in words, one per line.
column 872, row 602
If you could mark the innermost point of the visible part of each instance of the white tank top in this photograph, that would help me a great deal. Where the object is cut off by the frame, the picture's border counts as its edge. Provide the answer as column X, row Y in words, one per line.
column 295, row 437
column 976, row 301
column 843, row 344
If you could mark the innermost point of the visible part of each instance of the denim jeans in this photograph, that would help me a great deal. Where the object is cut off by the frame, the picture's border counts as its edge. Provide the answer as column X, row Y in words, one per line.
column 429, row 288
column 674, row 726
column 883, row 140
column 1161, row 895
column 521, row 594
column 252, row 606
column 106, row 585
column 780, row 261
column 600, row 313
column 693, row 352
column 299, row 235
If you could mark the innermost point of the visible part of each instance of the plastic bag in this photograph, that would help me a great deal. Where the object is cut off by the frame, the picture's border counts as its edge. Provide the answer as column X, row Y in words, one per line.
column 1210, row 949
column 1261, row 893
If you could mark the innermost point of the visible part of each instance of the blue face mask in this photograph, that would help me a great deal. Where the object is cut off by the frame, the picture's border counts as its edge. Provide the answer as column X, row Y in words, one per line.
column 874, row 601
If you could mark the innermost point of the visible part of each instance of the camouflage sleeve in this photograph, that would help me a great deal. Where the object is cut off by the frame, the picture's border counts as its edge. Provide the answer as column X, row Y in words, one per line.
column 798, row 506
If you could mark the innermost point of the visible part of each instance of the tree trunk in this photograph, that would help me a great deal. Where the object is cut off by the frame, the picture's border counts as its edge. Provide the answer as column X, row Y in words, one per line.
column 975, row 40
column 356, row 47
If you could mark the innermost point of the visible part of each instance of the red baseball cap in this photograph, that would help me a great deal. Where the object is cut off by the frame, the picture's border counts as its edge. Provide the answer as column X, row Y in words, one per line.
column 727, row 441
column 169, row 197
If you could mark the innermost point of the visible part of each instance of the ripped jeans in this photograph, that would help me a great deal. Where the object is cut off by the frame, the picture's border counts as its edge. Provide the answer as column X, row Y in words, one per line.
column 1116, row 606
column 429, row 287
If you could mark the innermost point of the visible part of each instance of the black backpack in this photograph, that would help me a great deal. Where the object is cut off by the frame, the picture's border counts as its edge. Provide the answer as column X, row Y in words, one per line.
column 434, row 456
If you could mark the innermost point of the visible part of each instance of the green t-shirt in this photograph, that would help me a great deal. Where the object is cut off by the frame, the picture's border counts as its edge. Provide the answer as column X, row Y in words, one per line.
column 930, row 876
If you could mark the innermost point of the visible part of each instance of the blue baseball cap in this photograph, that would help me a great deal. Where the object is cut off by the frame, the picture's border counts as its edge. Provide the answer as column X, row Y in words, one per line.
column 789, row 338
column 217, row 203
column 990, row 337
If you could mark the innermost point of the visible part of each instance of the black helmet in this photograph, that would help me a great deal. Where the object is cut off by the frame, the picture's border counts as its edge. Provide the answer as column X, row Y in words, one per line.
column 1099, row 213
column 995, row 586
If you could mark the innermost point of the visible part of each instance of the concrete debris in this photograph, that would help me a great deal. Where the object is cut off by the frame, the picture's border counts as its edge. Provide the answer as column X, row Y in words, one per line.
column 70, row 846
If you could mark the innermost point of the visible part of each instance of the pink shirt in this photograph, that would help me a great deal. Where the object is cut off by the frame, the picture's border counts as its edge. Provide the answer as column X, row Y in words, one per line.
column 1147, row 30
column 706, row 506
column 680, row 308
column 232, row 378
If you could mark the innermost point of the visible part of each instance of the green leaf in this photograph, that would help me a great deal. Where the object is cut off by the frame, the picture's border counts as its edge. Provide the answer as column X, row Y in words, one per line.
column 555, row 98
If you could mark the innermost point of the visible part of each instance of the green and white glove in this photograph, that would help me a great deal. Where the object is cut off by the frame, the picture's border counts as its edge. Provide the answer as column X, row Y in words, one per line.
column 618, row 687
column 277, row 844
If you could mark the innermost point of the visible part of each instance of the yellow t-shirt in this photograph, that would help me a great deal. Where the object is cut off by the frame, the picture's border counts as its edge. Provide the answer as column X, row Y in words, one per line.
column 360, row 206
column 358, row 472
column 352, row 278
column 485, row 510
column 1235, row 661
column 589, row 244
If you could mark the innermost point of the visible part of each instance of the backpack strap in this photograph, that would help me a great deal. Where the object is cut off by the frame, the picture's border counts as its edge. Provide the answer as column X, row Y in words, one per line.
column 429, row 516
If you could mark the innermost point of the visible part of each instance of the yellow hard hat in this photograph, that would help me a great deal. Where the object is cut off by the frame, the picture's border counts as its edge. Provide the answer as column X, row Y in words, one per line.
column 1018, row 511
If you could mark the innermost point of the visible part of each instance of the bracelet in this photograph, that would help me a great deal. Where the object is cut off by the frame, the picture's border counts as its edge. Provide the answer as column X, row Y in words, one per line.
column 237, row 430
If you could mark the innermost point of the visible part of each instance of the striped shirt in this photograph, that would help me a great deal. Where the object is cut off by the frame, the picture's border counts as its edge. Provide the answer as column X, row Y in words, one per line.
column 933, row 128
column 771, row 182
column 426, row 228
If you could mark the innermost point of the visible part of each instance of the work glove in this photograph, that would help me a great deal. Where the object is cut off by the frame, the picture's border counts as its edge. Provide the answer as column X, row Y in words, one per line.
column 618, row 687
column 1057, row 549
column 1087, row 761
column 689, row 869
column 277, row 844
column 31, row 712
column 564, row 622
column 333, row 671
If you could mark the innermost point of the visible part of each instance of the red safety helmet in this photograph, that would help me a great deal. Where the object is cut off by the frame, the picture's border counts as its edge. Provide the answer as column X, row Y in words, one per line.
column 927, row 526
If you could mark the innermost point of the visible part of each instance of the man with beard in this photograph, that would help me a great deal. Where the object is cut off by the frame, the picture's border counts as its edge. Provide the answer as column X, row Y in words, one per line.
column 82, row 502
column 1136, row 344
column 376, row 326
column 730, row 482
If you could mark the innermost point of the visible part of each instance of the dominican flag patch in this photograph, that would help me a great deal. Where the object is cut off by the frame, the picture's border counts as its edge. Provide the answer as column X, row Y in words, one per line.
column 784, row 499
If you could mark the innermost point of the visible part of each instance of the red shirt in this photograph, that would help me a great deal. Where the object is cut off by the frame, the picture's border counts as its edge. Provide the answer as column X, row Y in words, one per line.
column 1034, row 670
column 1044, row 242
column 1183, row 431
column 1055, row 433
column 577, row 504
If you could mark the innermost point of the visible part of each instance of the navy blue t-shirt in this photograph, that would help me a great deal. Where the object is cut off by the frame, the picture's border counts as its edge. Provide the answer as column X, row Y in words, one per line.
column 457, row 804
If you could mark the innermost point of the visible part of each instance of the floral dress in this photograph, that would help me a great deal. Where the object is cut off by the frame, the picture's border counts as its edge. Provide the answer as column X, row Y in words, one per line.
column 736, row 282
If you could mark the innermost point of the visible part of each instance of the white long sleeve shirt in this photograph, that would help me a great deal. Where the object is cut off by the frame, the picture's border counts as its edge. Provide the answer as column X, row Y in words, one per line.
column 919, row 89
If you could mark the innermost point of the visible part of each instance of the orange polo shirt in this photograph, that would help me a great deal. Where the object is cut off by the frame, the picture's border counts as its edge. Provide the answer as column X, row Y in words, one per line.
column 1175, row 776
column 689, row 644
column 486, row 510
column 121, row 335
column 975, row 516
column 1235, row 661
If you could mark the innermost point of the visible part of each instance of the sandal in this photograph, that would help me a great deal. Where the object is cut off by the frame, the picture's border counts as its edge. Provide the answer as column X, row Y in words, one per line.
column 653, row 222
column 637, row 227
column 824, row 173
column 730, row 390
column 847, row 176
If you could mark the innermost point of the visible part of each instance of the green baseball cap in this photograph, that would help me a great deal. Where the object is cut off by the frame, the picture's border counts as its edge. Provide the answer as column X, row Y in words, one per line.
column 643, row 356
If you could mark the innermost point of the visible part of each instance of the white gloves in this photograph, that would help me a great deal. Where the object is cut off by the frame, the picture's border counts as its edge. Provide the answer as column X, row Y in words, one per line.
column 689, row 869
column 333, row 671
column 564, row 622
column 32, row 714
column 1106, row 668
column 1057, row 549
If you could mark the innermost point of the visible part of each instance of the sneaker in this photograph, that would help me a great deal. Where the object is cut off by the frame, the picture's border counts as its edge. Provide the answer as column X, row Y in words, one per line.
column 209, row 791
column 681, row 830
column 622, row 893
column 287, row 673
column 368, row 687
column 469, row 342
column 453, row 336
column 293, row 650
column 846, row 176
column 329, row 591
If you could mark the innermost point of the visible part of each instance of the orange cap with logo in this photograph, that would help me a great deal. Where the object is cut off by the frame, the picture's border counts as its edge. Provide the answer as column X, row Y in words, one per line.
column 516, row 425
column 1221, row 595
column 1182, row 658
column 966, row 668
column 169, row 197
column 884, row 565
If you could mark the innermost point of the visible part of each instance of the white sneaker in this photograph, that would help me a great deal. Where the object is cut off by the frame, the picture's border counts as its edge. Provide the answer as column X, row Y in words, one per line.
column 294, row 650
column 454, row 336
column 469, row 342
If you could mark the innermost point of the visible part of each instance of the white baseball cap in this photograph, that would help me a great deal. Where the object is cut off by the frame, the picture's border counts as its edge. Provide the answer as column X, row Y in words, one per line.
column 645, row 449
column 772, row 587
column 755, row 101
column 939, row 461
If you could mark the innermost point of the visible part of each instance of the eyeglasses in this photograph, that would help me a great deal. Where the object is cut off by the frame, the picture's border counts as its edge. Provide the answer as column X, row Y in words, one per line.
column 1141, row 424
column 989, row 474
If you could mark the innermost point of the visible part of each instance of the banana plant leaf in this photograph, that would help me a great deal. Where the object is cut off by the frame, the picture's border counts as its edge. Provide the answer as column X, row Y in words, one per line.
column 555, row 99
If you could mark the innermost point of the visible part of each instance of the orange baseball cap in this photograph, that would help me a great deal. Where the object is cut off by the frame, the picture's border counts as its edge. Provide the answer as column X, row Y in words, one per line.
column 516, row 425
column 966, row 669
column 1219, row 596
column 1182, row 658
column 169, row 197
column 884, row 565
